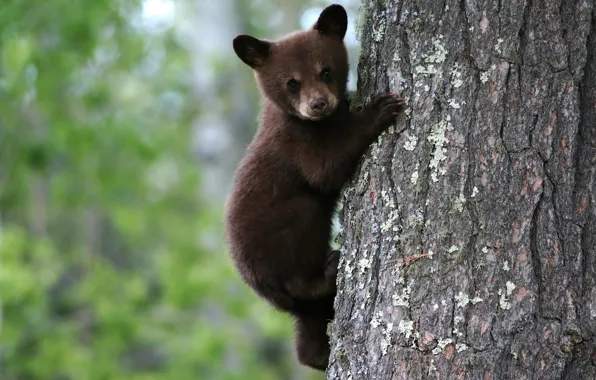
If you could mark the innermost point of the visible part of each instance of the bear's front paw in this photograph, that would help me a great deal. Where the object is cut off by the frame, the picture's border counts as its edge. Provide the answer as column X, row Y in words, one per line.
column 384, row 108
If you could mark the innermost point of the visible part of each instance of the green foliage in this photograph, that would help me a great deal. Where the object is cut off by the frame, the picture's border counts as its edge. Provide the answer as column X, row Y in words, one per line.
column 103, row 274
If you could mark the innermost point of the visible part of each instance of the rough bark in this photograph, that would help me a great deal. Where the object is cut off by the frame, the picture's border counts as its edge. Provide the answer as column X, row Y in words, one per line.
column 469, row 233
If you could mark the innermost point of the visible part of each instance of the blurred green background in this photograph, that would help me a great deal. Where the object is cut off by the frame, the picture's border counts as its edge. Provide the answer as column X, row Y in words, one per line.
column 121, row 123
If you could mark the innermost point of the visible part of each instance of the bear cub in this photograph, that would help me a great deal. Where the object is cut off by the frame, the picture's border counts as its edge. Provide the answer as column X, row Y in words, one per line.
column 308, row 145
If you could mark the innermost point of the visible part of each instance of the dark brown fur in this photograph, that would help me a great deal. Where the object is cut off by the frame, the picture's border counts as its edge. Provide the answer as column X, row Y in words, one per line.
column 278, row 216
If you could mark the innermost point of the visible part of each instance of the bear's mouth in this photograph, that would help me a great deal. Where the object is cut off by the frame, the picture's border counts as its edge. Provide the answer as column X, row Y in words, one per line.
column 316, row 116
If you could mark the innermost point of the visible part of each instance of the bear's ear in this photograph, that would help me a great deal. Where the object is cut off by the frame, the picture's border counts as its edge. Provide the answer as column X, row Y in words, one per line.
column 250, row 50
column 333, row 22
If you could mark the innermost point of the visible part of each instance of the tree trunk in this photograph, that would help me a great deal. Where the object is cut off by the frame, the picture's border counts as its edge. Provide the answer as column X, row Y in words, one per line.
column 469, row 233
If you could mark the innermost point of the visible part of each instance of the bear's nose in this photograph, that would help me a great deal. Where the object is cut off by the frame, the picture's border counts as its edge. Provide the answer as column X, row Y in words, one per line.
column 318, row 104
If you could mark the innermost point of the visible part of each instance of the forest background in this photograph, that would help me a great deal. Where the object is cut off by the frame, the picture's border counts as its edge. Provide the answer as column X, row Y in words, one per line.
column 121, row 123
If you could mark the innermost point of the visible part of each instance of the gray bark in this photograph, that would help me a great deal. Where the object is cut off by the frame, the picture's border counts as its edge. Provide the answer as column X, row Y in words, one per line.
column 469, row 233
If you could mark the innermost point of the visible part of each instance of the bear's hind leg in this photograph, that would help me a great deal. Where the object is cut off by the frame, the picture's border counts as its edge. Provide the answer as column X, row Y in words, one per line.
column 312, row 342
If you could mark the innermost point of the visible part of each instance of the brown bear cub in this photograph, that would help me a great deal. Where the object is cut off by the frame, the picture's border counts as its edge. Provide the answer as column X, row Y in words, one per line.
column 279, row 213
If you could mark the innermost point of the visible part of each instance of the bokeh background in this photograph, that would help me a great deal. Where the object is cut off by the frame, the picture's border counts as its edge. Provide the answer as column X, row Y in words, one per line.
column 121, row 123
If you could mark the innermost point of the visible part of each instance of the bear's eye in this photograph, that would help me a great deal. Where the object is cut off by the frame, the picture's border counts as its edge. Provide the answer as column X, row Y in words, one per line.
column 326, row 73
column 293, row 85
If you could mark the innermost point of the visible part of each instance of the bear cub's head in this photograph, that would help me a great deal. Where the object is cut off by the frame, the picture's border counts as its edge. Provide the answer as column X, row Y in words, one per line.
column 305, row 73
